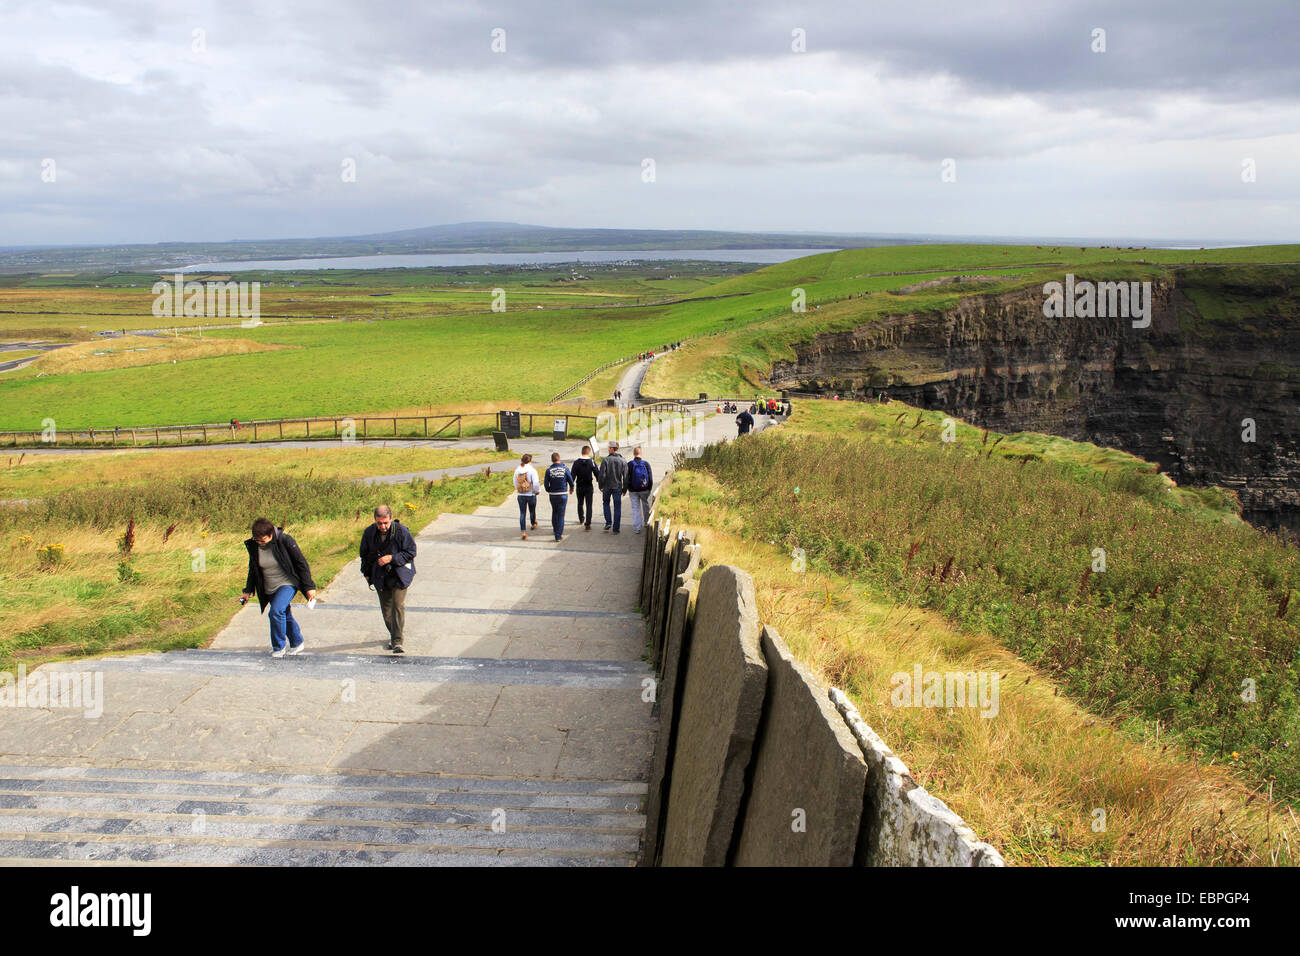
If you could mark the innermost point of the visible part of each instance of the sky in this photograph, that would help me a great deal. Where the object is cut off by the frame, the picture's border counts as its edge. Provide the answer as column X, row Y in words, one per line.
column 167, row 120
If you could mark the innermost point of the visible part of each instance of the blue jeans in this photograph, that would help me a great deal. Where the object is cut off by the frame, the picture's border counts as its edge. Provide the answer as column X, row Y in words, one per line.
column 527, row 507
column 282, row 622
column 608, row 494
column 558, row 505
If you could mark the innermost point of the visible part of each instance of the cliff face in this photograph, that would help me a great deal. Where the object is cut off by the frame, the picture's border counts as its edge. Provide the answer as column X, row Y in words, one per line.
column 1223, row 346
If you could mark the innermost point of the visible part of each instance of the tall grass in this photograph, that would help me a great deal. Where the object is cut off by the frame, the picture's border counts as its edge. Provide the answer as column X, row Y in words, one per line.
column 187, row 563
column 1190, row 623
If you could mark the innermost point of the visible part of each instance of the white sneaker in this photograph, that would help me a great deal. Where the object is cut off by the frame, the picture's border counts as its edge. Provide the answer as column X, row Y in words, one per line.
column 279, row 653
column 295, row 651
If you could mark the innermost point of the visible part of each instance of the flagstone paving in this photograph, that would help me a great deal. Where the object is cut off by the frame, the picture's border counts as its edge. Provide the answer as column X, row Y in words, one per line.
column 515, row 731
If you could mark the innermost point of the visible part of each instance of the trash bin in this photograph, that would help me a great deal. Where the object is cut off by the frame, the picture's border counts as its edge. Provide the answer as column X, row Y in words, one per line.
column 502, row 443
column 561, row 430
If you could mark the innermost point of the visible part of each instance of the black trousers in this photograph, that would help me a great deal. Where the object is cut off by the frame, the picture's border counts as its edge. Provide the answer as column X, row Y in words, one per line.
column 584, row 504
column 392, row 604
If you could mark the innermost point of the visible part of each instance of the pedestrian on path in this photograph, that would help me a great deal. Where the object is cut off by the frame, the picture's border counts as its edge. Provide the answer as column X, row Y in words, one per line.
column 276, row 571
column 744, row 423
column 388, row 565
column 612, row 478
column 584, row 476
column 640, row 480
column 559, row 482
column 527, row 487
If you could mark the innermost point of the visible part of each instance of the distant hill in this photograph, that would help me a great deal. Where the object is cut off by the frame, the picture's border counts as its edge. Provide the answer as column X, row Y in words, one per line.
column 462, row 237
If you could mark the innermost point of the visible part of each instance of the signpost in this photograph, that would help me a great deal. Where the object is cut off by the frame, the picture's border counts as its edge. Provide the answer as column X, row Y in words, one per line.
column 508, row 422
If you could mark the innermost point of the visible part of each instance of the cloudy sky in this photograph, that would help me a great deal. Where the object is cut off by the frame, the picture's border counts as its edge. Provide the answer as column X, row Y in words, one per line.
column 170, row 120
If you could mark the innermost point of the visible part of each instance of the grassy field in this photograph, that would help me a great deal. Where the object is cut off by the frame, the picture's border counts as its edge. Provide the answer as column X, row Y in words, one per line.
column 431, row 348
column 1120, row 689
column 25, row 476
column 73, row 589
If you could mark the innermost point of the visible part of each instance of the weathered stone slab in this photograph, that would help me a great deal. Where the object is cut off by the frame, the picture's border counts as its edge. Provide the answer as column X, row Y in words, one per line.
column 666, row 561
column 681, row 560
column 902, row 824
column 669, row 700
column 721, row 704
column 651, row 538
column 809, row 779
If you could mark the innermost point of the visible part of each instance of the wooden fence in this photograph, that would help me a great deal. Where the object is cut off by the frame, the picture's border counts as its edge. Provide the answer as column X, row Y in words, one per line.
column 339, row 428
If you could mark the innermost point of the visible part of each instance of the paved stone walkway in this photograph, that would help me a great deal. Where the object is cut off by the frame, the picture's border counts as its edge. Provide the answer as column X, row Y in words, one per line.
column 514, row 730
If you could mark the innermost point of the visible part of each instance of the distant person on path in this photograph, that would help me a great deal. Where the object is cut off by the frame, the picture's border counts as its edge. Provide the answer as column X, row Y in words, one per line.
column 584, row 477
column 744, row 423
column 388, row 565
column 640, row 480
column 612, row 478
column 276, row 571
column 559, row 482
column 527, row 487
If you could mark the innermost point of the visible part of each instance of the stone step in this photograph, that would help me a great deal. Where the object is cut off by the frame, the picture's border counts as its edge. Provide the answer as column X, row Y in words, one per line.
column 409, row 786
column 41, row 850
column 116, row 815
column 369, row 667
column 164, row 827
column 15, row 804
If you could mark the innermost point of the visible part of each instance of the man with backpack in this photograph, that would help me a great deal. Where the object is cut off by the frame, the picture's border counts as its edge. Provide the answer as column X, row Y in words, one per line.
column 639, row 482
column 558, row 482
column 388, row 564
column 584, row 475
column 612, row 476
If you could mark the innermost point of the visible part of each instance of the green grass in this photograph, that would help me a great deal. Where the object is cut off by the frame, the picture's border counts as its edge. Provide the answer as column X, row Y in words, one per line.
column 430, row 348
column 1004, row 541
column 84, row 604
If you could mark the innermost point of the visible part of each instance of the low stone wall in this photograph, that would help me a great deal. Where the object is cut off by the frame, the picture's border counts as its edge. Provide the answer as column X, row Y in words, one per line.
column 756, row 763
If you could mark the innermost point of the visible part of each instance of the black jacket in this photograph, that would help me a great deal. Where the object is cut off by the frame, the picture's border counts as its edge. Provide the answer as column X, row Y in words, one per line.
column 584, row 473
column 400, row 544
column 288, row 555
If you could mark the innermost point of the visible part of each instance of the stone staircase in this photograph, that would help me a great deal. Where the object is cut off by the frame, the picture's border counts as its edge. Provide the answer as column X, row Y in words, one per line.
column 515, row 731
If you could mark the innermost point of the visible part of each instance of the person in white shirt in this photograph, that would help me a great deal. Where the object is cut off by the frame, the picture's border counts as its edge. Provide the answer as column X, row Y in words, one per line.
column 527, row 487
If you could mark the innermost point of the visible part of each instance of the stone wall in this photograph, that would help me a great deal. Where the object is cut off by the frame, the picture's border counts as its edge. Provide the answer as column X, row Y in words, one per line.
column 756, row 763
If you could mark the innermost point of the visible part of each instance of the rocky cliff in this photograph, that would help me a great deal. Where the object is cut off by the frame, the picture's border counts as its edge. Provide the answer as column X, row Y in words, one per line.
column 1210, row 390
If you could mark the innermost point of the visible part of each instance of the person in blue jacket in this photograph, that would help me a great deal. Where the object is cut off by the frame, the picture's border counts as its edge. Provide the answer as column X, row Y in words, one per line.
column 558, row 483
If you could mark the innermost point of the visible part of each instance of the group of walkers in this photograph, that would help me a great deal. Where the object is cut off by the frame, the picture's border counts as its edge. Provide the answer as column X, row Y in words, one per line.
column 277, row 571
column 613, row 475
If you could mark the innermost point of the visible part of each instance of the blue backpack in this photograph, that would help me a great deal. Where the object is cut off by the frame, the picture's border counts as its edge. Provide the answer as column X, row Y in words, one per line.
column 638, row 475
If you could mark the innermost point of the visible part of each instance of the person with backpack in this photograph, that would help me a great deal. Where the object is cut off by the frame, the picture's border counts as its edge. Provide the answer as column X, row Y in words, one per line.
column 276, row 571
column 558, row 482
column 744, row 422
column 612, row 477
column 640, row 480
column 527, row 488
column 388, row 565
column 584, row 476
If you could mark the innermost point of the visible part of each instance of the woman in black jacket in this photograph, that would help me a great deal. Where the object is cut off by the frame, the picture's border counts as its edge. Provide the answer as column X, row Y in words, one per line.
column 276, row 571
